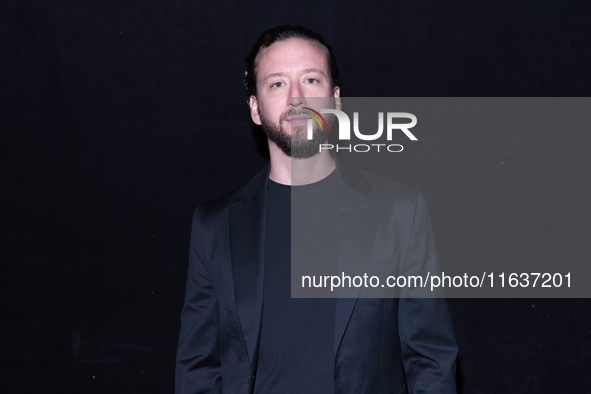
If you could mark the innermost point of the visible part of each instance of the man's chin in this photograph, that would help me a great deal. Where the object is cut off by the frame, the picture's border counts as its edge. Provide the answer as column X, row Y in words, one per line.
column 304, row 149
column 304, row 153
column 293, row 139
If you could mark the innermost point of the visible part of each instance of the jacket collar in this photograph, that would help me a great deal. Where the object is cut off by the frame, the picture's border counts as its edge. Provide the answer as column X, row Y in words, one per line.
column 347, row 175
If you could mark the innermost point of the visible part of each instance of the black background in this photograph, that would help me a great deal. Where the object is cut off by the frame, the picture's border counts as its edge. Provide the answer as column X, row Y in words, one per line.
column 119, row 117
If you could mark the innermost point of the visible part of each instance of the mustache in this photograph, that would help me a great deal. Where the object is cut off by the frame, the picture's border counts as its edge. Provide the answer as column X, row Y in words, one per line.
column 291, row 112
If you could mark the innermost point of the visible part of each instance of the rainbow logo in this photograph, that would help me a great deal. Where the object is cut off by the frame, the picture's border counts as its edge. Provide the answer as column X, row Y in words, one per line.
column 317, row 117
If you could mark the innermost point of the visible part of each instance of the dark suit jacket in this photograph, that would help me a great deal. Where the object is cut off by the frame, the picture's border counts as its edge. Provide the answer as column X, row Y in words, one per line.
column 382, row 345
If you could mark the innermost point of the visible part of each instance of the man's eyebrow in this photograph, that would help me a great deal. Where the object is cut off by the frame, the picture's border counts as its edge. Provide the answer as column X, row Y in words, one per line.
column 273, row 75
column 314, row 70
column 306, row 71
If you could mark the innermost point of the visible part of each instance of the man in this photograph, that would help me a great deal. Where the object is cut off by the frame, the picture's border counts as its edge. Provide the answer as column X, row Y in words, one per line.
column 241, row 331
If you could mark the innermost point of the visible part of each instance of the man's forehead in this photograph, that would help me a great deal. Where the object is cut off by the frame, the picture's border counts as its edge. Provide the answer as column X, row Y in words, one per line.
column 292, row 54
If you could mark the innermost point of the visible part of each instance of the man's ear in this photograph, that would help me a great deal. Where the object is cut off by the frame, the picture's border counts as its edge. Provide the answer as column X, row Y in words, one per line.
column 254, row 110
column 337, row 98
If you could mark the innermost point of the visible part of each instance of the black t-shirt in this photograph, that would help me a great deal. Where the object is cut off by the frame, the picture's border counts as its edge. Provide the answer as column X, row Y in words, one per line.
column 296, row 353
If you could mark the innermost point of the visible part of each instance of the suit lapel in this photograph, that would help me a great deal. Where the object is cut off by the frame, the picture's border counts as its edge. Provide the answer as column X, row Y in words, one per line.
column 247, row 235
column 357, row 224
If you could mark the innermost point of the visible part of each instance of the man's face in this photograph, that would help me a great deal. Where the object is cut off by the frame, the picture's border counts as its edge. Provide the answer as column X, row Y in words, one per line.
column 289, row 72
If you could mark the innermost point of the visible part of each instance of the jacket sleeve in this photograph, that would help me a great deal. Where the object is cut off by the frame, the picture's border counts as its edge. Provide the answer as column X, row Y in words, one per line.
column 429, row 348
column 198, row 368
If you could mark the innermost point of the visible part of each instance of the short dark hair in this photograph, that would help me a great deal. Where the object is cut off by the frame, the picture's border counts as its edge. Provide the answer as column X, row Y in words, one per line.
column 283, row 33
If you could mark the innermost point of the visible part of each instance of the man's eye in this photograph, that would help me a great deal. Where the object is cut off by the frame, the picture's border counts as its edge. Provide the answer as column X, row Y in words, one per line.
column 277, row 85
column 312, row 80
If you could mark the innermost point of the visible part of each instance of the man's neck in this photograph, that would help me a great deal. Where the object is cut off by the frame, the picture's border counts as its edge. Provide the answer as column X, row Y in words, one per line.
column 289, row 171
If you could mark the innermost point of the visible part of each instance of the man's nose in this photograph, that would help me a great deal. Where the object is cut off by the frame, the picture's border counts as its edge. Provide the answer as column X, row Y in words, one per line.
column 296, row 97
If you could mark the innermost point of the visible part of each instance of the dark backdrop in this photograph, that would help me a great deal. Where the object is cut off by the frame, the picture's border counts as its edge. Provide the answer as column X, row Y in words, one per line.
column 119, row 117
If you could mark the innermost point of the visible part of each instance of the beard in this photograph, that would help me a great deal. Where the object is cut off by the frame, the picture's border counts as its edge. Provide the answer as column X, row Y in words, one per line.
column 295, row 144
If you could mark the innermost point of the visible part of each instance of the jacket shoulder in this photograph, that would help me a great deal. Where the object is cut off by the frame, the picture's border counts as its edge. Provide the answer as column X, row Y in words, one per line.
column 220, row 206
column 390, row 190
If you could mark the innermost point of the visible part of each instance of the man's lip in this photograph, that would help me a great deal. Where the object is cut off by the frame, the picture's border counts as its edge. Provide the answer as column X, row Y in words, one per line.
column 297, row 118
